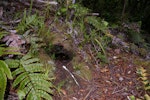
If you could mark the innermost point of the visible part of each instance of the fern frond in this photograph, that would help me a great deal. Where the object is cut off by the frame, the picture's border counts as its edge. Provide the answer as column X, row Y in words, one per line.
column 8, row 50
column 20, row 78
column 30, row 79
column 32, row 69
column 4, row 71
column 3, row 81
column 35, row 41
column 2, row 34
column 44, row 95
column 79, row 10
column 32, row 96
column 29, row 61
column 12, row 63
column 144, row 77
column 97, row 23
column 30, row 22
column 5, row 68
column 24, row 83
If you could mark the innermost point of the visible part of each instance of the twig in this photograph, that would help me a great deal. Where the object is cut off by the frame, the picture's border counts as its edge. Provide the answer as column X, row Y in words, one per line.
column 13, row 22
column 93, row 56
column 71, row 74
column 118, row 90
column 81, row 77
column 38, row 4
column 48, row 2
column 95, row 47
column 88, row 94
column 93, row 14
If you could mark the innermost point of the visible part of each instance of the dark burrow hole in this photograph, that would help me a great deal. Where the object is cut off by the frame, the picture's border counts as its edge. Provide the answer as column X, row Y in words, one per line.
column 58, row 52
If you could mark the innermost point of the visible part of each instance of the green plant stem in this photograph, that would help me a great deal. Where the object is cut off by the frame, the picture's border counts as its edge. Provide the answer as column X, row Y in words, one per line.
column 30, row 7
column 101, row 46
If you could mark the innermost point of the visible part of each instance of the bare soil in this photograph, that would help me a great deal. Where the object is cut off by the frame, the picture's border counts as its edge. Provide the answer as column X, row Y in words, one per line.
column 115, row 81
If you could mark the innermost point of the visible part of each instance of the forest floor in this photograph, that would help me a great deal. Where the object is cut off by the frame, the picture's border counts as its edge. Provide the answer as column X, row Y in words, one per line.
column 85, row 78
column 117, row 80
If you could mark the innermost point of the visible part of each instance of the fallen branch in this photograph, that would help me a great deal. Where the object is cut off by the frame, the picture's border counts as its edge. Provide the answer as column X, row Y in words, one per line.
column 48, row 2
column 71, row 75
column 93, row 14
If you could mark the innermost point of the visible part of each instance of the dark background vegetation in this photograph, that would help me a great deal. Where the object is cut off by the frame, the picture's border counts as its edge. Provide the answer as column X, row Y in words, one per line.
column 122, row 10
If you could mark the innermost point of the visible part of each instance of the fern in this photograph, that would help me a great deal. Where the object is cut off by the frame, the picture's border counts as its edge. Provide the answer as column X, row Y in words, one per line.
column 30, row 22
column 3, row 81
column 144, row 77
column 2, row 34
column 8, row 50
column 99, row 24
column 80, row 11
column 30, row 79
column 4, row 71
column 98, row 39
column 35, row 41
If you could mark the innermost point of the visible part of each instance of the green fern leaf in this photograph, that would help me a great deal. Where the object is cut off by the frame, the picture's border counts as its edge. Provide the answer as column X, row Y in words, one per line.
column 4, row 71
column 2, row 34
column 38, row 76
column 34, row 64
column 44, row 88
column 34, row 69
column 41, row 82
column 20, row 78
column 5, row 68
column 4, row 51
column 79, row 10
column 29, row 61
column 33, row 96
column 3, row 81
column 44, row 95
column 30, row 19
column 12, row 63
column 26, row 57
column 17, row 71
column 24, row 83
column 97, row 23
column 28, row 88
column 21, row 94
column 31, row 79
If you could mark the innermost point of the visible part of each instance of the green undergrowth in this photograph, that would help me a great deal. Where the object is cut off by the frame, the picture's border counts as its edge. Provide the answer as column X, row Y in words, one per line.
column 91, row 29
column 32, row 72
column 30, row 78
